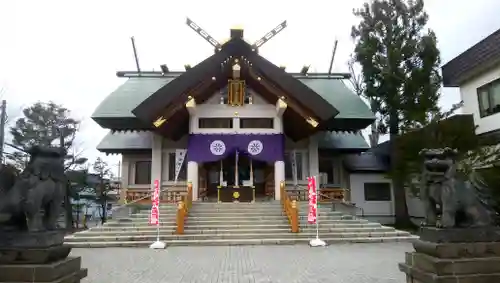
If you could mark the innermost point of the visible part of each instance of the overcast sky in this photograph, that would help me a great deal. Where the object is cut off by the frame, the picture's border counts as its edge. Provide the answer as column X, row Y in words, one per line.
column 69, row 51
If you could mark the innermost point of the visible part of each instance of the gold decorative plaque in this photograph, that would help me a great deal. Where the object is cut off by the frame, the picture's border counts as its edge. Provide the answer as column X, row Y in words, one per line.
column 236, row 195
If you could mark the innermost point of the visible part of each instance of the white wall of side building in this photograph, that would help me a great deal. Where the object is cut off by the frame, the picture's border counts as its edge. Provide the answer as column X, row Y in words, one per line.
column 382, row 211
column 469, row 95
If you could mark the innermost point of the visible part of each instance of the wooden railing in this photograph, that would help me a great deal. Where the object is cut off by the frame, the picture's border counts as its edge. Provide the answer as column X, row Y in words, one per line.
column 326, row 194
column 290, row 208
column 143, row 196
column 183, row 207
column 329, row 194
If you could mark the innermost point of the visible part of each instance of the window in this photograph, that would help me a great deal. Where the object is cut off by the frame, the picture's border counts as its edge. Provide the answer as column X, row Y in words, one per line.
column 171, row 168
column 215, row 123
column 300, row 158
column 332, row 170
column 257, row 123
column 489, row 99
column 378, row 192
column 142, row 172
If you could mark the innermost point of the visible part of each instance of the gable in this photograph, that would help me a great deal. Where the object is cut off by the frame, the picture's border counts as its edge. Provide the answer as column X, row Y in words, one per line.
column 115, row 111
column 212, row 74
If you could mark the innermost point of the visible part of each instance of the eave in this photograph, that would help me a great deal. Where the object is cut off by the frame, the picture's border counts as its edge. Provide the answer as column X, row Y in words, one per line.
column 346, row 124
column 476, row 60
column 122, row 124
column 126, row 151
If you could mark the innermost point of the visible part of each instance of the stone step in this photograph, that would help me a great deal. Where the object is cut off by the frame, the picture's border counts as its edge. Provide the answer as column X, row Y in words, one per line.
column 121, row 223
column 235, row 217
column 234, row 224
column 241, row 217
column 269, row 211
column 241, row 242
column 231, row 236
column 207, row 221
column 236, row 207
column 225, row 213
column 232, row 209
column 233, row 204
column 169, row 226
column 145, row 223
column 228, row 231
column 236, row 210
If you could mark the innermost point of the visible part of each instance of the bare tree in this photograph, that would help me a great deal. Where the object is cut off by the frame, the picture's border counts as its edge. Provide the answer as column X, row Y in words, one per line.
column 102, row 169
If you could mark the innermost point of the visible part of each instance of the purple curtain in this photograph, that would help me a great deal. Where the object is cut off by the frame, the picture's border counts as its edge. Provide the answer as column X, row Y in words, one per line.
column 214, row 147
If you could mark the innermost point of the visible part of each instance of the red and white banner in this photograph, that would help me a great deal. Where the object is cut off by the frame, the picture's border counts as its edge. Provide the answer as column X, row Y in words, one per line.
column 154, row 218
column 313, row 200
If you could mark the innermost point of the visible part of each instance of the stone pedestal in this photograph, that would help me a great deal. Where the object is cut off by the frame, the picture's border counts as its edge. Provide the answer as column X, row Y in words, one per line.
column 38, row 257
column 469, row 255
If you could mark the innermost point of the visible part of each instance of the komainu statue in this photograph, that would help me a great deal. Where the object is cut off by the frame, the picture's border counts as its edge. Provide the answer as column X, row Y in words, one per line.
column 33, row 200
column 451, row 201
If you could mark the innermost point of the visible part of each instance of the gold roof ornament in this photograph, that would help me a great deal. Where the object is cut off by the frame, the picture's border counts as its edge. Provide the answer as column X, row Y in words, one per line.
column 160, row 121
column 312, row 122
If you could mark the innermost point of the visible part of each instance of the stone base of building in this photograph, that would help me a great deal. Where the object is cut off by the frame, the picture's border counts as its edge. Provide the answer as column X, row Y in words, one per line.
column 454, row 255
column 38, row 257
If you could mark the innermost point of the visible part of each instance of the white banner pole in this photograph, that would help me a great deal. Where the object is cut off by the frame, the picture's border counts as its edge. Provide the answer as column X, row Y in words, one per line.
column 317, row 242
column 156, row 206
column 317, row 207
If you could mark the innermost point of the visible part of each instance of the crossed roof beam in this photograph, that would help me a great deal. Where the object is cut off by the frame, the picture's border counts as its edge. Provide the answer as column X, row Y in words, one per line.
column 255, row 46
column 218, row 47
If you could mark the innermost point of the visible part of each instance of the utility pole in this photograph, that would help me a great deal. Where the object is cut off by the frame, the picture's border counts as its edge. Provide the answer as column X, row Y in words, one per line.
column 3, row 120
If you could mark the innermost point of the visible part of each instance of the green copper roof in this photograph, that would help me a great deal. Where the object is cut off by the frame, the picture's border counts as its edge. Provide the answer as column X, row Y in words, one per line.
column 336, row 93
column 123, row 100
column 125, row 141
column 342, row 140
column 365, row 162
column 127, row 96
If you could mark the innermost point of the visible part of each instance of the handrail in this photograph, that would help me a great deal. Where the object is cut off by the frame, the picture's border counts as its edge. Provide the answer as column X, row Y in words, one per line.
column 305, row 189
column 290, row 208
column 183, row 208
column 332, row 199
column 137, row 200
column 345, row 203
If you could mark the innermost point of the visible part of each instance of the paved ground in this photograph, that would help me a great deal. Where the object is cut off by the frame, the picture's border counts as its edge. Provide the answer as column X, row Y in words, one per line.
column 360, row 263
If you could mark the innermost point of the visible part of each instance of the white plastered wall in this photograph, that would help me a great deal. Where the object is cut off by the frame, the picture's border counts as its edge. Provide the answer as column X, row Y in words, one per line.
column 468, row 93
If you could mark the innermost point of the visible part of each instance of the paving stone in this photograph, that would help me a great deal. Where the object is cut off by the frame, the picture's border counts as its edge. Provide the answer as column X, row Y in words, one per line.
column 346, row 263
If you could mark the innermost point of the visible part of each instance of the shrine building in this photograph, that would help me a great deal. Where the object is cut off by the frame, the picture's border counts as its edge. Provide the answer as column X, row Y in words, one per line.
column 235, row 125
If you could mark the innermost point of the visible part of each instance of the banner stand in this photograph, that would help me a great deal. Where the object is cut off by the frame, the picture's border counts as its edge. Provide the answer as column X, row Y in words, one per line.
column 314, row 211
column 180, row 156
column 155, row 219
column 158, row 245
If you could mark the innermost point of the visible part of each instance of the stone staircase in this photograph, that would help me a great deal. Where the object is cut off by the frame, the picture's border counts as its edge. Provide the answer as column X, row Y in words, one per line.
column 234, row 224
